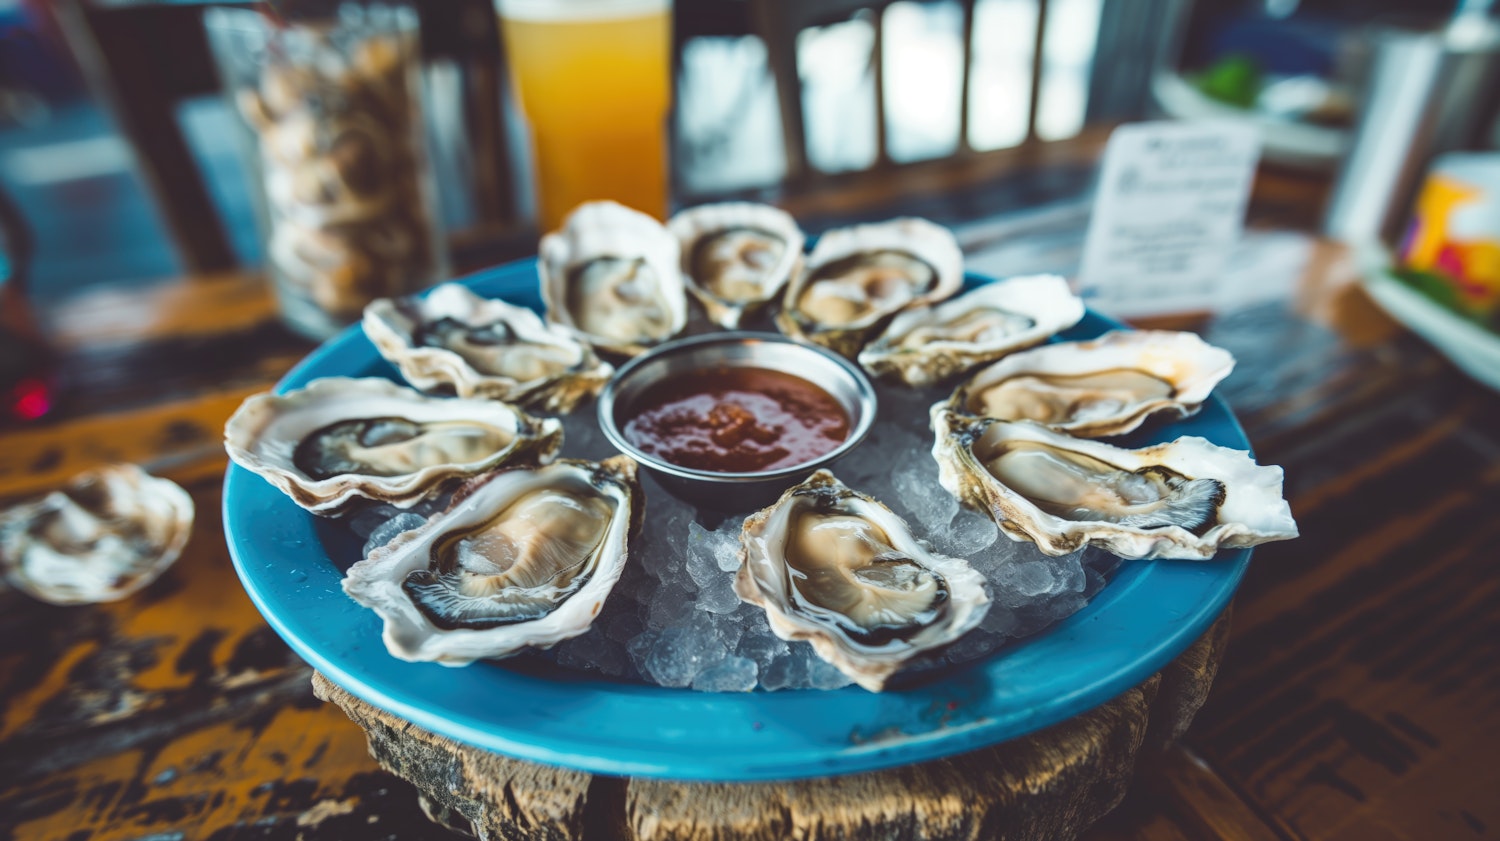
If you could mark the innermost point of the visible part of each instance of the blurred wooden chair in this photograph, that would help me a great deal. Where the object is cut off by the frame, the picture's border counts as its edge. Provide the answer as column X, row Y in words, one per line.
column 1132, row 36
column 142, row 58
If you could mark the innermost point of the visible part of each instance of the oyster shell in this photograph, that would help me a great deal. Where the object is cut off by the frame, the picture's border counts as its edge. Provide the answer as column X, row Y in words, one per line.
column 1105, row 386
column 925, row 346
column 842, row 571
column 522, row 558
column 339, row 439
column 736, row 256
column 1183, row 499
column 484, row 348
column 106, row 534
column 611, row 276
column 856, row 279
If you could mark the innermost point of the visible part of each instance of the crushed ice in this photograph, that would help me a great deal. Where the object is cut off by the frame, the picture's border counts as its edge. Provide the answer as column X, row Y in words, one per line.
column 674, row 619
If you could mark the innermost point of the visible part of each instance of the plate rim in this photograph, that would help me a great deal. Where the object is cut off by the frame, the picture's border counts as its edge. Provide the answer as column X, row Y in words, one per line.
column 949, row 714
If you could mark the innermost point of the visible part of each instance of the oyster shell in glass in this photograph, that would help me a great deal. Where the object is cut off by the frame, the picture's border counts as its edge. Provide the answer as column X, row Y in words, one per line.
column 483, row 347
column 611, row 276
column 836, row 568
column 928, row 345
column 856, row 279
column 523, row 558
column 1183, row 499
column 106, row 534
column 340, row 439
column 1105, row 386
column 736, row 256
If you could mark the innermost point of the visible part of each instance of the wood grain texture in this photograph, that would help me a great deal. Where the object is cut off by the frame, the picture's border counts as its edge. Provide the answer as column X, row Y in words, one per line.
column 1178, row 797
column 182, row 441
column 178, row 713
column 1049, row 786
column 500, row 797
column 1360, row 691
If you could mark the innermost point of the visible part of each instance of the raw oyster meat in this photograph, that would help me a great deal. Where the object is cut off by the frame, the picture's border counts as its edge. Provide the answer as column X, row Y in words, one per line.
column 106, row 534
column 484, row 348
column 340, row 439
column 925, row 346
column 858, row 278
column 523, row 558
column 1183, row 499
column 840, row 570
column 1105, row 386
column 611, row 276
column 736, row 256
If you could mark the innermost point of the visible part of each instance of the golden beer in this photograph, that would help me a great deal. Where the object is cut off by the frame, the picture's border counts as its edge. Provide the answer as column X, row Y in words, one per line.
column 593, row 78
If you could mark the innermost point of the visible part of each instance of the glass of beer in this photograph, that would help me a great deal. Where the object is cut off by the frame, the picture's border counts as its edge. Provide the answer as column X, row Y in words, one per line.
column 594, row 78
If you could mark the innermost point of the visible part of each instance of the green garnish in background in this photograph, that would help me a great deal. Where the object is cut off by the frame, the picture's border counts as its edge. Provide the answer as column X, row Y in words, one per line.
column 1234, row 79
column 1440, row 289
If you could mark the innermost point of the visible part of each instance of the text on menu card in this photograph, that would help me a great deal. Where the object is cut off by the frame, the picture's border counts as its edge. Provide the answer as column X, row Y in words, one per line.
column 1169, row 210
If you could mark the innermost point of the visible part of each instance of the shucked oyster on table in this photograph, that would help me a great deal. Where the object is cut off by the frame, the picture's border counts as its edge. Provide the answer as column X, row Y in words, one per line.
column 106, row 534
column 856, row 279
column 927, row 345
column 836, row 568
column 736, row 256
column 611, row 275
column 1183, row 499
column 341, row 439
column 484, row 347
column 1104, row 386
column 523, row 558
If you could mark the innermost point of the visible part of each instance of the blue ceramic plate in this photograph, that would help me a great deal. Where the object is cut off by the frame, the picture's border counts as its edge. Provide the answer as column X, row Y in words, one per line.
column 291, row 564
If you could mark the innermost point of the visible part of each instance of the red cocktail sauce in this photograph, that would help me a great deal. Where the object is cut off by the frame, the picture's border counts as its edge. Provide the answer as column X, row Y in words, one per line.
column 737, row 420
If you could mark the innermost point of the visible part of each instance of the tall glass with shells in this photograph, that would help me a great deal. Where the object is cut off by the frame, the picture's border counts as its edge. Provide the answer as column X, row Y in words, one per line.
column 332, row 130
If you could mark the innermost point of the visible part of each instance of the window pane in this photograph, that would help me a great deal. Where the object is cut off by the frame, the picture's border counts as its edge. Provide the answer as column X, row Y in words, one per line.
column 1000, row 79
column 728, row 123
column 923, row 55
column 1067, row 59
column 838, row 94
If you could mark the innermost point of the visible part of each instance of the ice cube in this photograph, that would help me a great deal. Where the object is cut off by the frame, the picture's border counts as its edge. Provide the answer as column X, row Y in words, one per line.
column 762, row 647
column 680, row 653
column 824, row 675
column 732, row 674
column 639, row 649
column 785, row 672
column 671, row 604
column 968, row 534
column 1030, row 578
column 718, row 596
column 702, row 566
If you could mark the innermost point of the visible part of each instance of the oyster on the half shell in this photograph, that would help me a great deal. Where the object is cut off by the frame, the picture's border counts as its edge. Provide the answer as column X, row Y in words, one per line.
column 1183, row 499
column 611, row 276
column 736, row 256
column 928, row 345
column 842, row 571
column 340, row 439
column 483, row 347
column 523, row 558
column 1104, row 386
column 106, row 534
column 856, row 279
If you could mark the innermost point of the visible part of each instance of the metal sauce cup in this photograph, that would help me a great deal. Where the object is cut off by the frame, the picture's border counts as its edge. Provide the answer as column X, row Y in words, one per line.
column 842, row 379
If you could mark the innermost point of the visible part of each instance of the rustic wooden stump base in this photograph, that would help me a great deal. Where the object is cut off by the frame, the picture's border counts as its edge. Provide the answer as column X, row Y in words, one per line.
column 1049, row 786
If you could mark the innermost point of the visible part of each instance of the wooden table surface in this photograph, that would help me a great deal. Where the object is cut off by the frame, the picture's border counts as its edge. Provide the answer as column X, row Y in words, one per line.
column 1357, row 701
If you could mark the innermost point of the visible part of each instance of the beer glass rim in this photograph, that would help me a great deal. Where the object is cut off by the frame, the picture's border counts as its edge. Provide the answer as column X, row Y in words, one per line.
column 562, row 11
